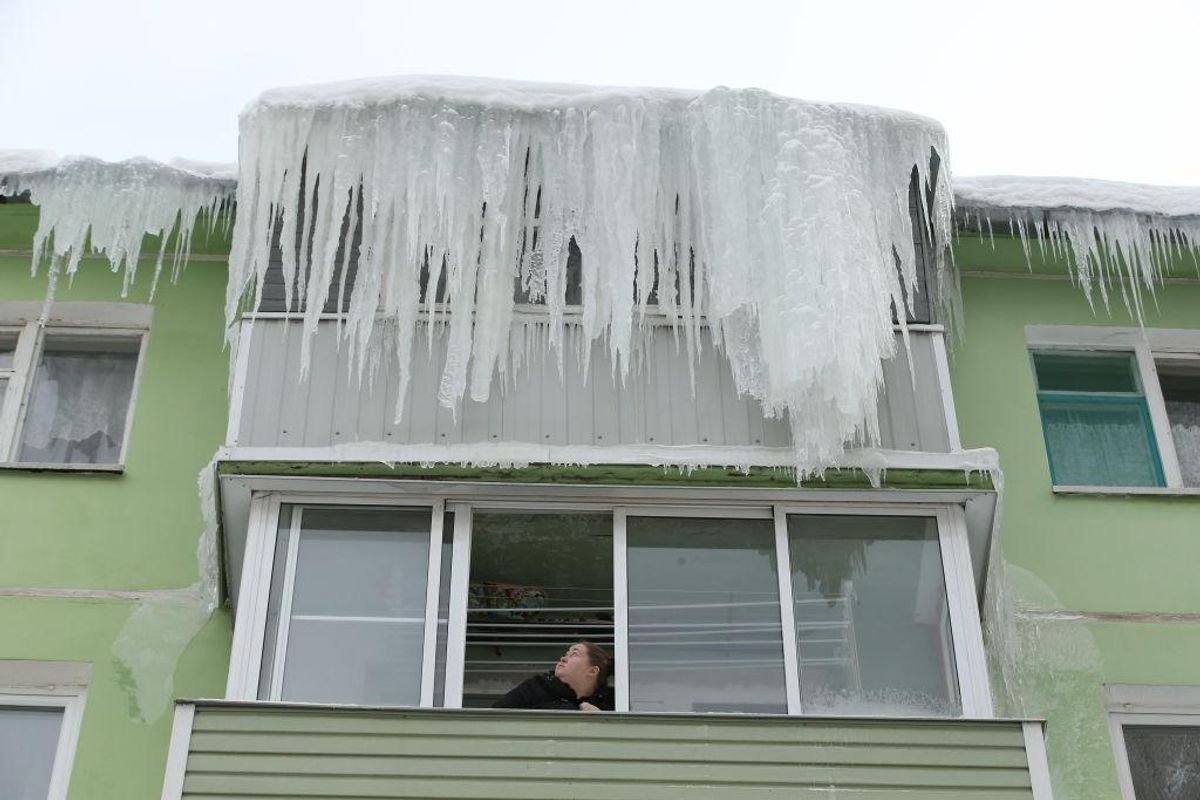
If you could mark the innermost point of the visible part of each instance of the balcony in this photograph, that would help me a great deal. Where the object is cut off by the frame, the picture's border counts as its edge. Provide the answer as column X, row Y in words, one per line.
column 270, row 750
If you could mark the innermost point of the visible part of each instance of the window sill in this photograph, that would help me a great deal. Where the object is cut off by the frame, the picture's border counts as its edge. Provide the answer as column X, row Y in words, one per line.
column 107, row 469
column 1126, row 491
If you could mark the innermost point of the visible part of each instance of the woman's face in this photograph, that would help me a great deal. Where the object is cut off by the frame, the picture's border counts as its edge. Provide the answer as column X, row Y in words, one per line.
column 574, row 667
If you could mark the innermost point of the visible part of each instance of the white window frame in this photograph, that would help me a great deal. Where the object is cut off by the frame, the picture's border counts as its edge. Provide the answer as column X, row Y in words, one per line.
column 1146, row 705
column 1149, row 347
column 125, row 321
column 254, row 596
column 50, row 684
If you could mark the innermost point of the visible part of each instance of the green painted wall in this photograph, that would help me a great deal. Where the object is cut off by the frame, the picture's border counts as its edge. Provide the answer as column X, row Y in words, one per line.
column 1067, row 554
column 129, row 532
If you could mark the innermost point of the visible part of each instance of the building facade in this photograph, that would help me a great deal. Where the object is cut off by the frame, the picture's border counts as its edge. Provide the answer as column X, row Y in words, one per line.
column 275, row 570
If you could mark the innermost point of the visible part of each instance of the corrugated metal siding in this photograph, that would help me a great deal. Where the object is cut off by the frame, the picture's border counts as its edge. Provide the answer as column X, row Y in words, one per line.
column 252, row 752
column 541, row 405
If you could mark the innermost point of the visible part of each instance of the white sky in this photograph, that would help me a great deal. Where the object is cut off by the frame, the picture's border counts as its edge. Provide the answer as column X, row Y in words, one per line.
column 1091, row 89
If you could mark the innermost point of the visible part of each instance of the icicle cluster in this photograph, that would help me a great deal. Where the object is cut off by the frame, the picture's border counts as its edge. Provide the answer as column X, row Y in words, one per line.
column 1116, row 235
column 778, row 223
column 103, row 207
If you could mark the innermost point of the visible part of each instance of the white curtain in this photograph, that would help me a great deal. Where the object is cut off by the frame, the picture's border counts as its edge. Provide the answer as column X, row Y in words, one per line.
column 78, row 407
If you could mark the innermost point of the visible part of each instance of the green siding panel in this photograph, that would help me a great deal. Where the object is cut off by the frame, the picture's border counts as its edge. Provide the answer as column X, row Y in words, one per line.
column 277, row 751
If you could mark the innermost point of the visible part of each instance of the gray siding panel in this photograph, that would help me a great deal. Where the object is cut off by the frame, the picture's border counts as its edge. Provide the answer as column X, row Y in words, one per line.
column 587, row 404
column 343, row 753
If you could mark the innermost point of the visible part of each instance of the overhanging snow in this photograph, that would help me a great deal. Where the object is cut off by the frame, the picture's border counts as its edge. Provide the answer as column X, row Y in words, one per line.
column 1119, row 233
column 108, row 208
column 781, row 223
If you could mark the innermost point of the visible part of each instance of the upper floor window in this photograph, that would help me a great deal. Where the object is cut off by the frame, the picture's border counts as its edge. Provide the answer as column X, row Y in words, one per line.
column 771, row 609
column 66, row 390
column 1119, row 408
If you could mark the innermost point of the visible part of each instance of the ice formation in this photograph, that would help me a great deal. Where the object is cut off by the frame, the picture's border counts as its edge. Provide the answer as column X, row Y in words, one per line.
column 1119, row 234
column 778, row 223
column 107, row 207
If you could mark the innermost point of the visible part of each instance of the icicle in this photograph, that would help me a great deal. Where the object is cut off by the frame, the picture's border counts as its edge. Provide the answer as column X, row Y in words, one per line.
column 87, row 205
column 1119, row 235
column 778, row 220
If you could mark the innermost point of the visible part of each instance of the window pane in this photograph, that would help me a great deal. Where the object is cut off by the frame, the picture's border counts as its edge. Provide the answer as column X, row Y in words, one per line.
column 278, row 572
column 8, row 350
column 28, row 742
column 872, row 622
column 1099, row 442
column 357, row 621
column 1080, row 372
column 443, row 630
column 79, row 402
column 704, row 624
column 1181, row 391
column 1164, row 761
column 3, row 392
column 539, row 583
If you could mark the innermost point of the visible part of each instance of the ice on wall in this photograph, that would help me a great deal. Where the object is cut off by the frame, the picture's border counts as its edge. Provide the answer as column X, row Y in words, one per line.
column 1119, row 236
column 88, row 205
column 781, row 222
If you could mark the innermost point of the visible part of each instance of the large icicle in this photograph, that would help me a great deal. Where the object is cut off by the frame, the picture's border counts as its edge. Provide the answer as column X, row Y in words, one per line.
column 107, row 208
column 782, row 222
column 1120, row 235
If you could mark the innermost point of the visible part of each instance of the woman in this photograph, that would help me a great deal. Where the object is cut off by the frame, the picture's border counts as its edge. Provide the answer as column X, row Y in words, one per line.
column 578, row 682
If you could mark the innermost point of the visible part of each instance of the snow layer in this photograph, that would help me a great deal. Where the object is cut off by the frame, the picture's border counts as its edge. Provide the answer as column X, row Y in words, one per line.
column 1119, row 234
column 788, row 216
column 91, row 205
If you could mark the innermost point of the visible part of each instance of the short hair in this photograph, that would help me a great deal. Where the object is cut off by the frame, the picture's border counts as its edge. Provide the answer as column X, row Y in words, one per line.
column 598, row 657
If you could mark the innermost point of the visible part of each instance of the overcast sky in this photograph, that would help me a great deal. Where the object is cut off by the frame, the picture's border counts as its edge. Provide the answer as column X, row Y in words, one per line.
column 1092, row 89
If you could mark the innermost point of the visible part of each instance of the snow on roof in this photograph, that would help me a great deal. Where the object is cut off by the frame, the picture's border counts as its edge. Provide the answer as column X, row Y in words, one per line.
column 1021, row 192
column 513, row 95
column 1121, row 236
column 780, row 221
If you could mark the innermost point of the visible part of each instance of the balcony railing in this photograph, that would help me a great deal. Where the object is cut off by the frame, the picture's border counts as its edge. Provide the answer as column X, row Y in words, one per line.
column 253, row 750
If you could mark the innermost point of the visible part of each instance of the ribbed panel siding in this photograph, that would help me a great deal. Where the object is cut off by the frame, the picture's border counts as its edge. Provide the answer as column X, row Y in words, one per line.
column 280, row 752
column 543, row 406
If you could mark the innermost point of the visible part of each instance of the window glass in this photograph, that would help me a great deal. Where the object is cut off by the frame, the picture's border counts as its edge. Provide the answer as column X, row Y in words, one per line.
column 1100, row 443
column 704, row 624
column 274, row 601
column 1085, row 372
column 539, row 583
column 3, row 391
column 443, row 617
column 79, row 401
column 1095, row 421
column 1181, row 394
column 28, row 743
column 1164, row 761
column 356, row 624
column 872, row 621
column 8, row 350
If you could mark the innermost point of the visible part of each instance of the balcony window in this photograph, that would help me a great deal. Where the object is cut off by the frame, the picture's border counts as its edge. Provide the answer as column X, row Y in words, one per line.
column 453, row 603
column 873, row 630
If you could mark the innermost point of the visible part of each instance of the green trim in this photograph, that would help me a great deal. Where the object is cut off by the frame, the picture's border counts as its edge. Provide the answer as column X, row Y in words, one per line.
column 620, row 474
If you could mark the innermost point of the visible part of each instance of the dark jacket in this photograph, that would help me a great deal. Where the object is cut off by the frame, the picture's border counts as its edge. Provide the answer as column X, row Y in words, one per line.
column 549, row 693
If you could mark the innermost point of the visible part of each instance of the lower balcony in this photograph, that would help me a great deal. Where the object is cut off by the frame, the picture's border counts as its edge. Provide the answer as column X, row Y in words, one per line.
column 223, row 749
